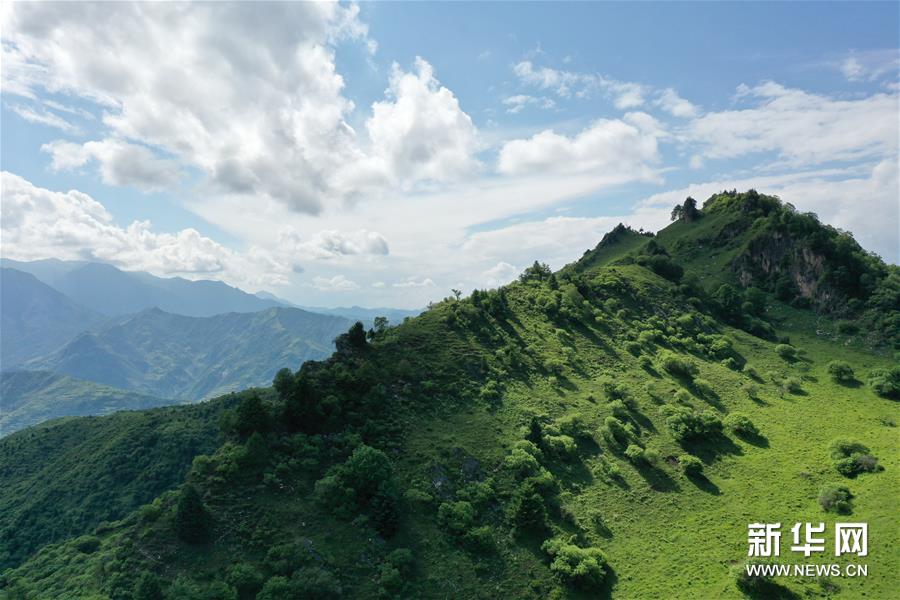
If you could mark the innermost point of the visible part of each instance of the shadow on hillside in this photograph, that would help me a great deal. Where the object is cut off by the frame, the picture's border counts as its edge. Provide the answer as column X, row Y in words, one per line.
column 658, row 479
column 754, row 439
column 769, row 590
column 704, row 484
column 709, row 449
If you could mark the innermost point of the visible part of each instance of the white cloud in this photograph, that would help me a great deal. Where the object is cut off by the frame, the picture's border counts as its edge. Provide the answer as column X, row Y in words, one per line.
column 516, row 104
column 696, row 162
column 420, row 132
column 43, row 118
column 675, row 105
column 565, row 84
column 338, row 283
column 331, row 243
column 802, row 128
column 121, row 163
column 870, row 65
column 265, row 121
column 378, row 285
column 500, row 274
column 604, row 146
column 39, row 223
column 413, row 282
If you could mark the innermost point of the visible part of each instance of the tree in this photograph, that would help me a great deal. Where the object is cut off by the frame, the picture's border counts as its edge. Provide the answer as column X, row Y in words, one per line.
column 689, row 209
column 841, row 371
column 354, row 339
column 284, row 384
column 147, row 587
column 251, row 416
column 193, row 521
column 677, row 212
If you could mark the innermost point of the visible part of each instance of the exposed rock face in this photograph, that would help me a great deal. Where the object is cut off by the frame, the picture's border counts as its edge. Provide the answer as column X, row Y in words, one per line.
column 778, row 257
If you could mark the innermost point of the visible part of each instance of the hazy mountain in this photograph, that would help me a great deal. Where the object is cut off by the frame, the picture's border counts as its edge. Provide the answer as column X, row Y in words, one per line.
column 395, row 316
column 176, row 356
column 30, row 397
column 36, row 319
column 111, row 291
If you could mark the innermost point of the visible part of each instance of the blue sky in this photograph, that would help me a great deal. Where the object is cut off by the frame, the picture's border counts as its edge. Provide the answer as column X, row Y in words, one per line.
column 383, row 153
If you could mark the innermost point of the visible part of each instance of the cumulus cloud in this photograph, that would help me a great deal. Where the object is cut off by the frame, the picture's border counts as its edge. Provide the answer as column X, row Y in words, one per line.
column 338, row 283
column 39, row 223
column 606, row 145
column 413, row 282
column 500, row 274
column 419, row 132
column 802, row 128
column 332, row 243
column 263, row 122
column 675, row 105
column 121, row 163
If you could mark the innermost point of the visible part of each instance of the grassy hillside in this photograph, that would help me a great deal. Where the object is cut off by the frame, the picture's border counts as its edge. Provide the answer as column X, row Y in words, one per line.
column 608, row 430
column 174, row 356
column 63, row 478
column 31, row 397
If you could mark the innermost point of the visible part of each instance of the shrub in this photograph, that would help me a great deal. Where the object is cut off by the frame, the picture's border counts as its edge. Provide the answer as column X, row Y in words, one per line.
column 681, row 397
column 840, row 371
column 644, row 362
column 786, row 351
column 456, row 517
column 615, row 432
column 87, row 544
column 751, row 389
column 561, row 446
column 583, row 568
column 847, row 327
column 245, row 578
column 730, row 363
column 836, row 499
column 574, row 426
column 885, row 382
column 634, row 453
column 521, row 463
column 852, row 458
column 395, row 572
column 676, row 365
column 193, row 521
column 740, row 424
column 528, row 509
column 704, row 387
column 686, row 425
column 792, row 385
column 690, row 465
column 633, row 348
column 364, row 482
column 147, row 587
column 750, row 372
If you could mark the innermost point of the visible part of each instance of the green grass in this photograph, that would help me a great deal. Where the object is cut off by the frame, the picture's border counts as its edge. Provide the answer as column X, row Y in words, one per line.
column 442, row 396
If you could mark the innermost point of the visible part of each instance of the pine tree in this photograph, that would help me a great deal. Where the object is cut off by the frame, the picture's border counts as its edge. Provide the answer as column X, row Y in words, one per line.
column 192, row 519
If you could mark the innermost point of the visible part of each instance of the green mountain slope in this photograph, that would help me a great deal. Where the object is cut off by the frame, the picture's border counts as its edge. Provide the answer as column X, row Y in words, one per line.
column 35, row 319
column 65, row 477
column 174, row 356
column 608, row 430
column 31, row 397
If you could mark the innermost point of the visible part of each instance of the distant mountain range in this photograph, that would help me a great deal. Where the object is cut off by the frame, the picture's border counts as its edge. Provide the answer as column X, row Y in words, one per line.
column 35, row 318
column 174, row 356
column 83, row 338
column 110, row 291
